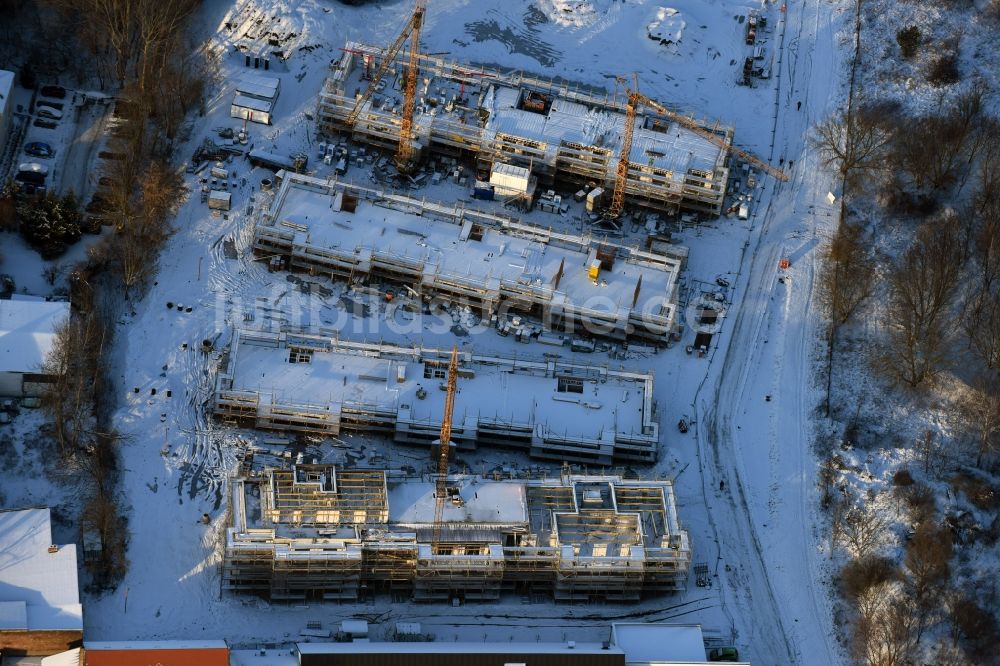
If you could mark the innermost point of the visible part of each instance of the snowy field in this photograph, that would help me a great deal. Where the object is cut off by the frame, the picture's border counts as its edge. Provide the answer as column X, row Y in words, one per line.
column 744, row 473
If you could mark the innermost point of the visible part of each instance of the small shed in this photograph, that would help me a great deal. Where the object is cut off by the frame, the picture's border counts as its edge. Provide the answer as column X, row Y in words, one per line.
column 219, row 200
column 354, row 628
column 28, row 329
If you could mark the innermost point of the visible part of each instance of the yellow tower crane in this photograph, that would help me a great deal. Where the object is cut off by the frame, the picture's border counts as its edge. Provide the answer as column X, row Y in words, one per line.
column 404, row 155
column 633, row 99
column 444, row 443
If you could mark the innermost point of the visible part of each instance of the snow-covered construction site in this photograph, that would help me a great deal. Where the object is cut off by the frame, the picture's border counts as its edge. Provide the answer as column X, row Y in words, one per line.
column 297, row 382
column 447, row 324
column 561, row 132
column 318, row 532
column 493, row 264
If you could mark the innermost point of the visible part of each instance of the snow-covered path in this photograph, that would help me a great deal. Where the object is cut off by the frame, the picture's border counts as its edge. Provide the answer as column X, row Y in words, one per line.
column 754, row 436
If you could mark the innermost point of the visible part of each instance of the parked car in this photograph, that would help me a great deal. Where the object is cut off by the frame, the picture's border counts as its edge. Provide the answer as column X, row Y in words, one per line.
column 46, row 112
column 723, row 654
column 39, row 149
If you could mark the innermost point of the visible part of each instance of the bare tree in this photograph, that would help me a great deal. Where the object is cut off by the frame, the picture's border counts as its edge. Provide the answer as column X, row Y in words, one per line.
column 922, row 285
column 73, row 363
column 987, row 175
column 980, row 409
column 927, row 563
column 846, row 282
column 885, row 634
column 935, row 150
column 981, row 311
column 847, row 279
column 863, row 529
column 973, row 625
column 854, row 142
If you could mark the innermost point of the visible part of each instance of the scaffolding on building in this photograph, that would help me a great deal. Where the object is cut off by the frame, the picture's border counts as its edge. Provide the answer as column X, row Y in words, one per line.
column 576, row 538
column 464, row 112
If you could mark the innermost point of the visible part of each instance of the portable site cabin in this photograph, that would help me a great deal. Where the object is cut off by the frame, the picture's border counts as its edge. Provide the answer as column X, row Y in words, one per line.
column 508, row 179
column 219, row 200
column 277, row 161
column 255, row 98
column 594, row 199
column 251, row 108
column 259, row 87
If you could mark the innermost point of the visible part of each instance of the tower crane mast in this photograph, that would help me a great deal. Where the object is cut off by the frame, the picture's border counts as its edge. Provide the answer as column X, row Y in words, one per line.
column 410, row 31
column 404, row 154
column 444, row 442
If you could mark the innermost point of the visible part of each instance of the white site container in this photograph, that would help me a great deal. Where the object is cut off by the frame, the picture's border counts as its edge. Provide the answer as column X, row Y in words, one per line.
column 510, row 178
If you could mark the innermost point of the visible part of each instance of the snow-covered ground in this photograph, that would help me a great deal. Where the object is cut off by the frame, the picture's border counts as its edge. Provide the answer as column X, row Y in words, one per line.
column 744, row 474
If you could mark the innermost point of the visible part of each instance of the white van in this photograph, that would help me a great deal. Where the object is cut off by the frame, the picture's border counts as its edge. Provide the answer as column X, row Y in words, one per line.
column 744, row 212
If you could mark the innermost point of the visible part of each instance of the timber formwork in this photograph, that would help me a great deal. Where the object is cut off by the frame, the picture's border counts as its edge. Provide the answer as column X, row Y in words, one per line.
column 468, row 131
column 577, row 539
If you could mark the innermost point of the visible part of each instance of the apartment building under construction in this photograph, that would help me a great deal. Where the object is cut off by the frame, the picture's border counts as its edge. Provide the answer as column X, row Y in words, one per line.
column 490, row 263
column 564, row 134
column 554, row 409
column 315, row 532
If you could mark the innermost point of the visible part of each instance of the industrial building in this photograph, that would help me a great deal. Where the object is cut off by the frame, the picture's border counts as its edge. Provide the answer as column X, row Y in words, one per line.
column 491, row 263
column 553, row 409
column 315, row 532
column 160, row 653
column 565, row 134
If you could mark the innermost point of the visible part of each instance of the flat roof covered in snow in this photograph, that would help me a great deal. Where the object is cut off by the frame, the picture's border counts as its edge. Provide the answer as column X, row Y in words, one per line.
column 254, row 85
column 670, row 147
column 413, row 503
column 406, row 382
column 38, row 589
column 434, row 647
column 28, row 332
column 253, row 103
column 445, row 249
column 651, row 643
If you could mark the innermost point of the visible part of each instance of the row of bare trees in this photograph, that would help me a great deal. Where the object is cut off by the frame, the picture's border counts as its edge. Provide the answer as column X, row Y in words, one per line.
column 84, row 441
column 140, row 51
column 939, row 301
